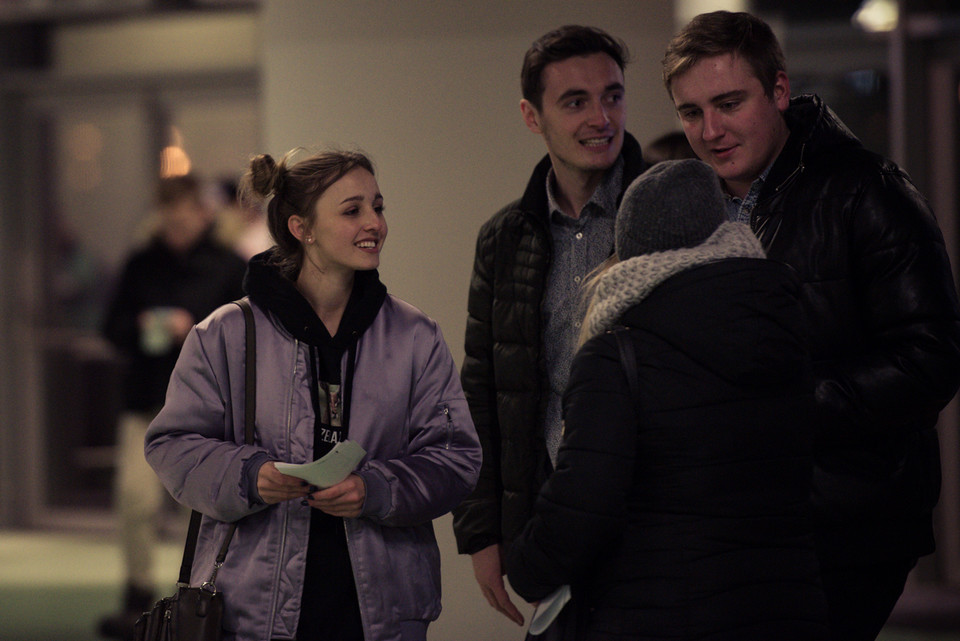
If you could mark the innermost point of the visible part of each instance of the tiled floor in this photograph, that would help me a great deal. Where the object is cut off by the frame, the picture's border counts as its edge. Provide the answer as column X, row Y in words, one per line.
column 54, row 586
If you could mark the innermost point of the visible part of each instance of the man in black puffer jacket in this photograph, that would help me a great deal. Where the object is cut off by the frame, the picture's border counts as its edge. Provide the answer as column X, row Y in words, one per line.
column 524, row 291
column 878, row 299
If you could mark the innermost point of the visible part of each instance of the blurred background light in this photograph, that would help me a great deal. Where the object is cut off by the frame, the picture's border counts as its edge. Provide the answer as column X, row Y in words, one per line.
column 877, row 16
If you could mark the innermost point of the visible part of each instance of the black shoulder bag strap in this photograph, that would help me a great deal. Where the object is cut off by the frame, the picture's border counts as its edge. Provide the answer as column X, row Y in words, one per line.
column 250, row 405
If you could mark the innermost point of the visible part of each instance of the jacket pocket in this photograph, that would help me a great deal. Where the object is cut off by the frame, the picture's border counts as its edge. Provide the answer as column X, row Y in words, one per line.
column 415, row 569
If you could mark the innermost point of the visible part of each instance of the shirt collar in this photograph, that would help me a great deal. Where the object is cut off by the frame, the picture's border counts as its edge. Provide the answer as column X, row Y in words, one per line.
column 754, row 186
column 739, row 209
column 603, row 199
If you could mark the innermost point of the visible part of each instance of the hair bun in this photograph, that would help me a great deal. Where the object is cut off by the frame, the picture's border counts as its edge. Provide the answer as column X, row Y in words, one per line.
column 265, row 175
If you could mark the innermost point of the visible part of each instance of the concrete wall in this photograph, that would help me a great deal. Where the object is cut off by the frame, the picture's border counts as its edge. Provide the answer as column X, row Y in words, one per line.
column 431, row 91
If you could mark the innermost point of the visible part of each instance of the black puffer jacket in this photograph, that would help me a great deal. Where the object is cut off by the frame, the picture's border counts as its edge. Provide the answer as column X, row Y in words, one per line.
column 502, row 368
column 881, row 313
column 689, row 519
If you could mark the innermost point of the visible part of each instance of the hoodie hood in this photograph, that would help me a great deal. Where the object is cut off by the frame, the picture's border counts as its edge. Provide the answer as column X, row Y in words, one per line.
column 275, row 293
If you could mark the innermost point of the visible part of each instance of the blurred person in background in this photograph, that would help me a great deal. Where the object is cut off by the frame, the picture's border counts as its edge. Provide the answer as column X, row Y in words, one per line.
column 672, row 145
column 242, row 226
column 679, row 505
column 176, row 279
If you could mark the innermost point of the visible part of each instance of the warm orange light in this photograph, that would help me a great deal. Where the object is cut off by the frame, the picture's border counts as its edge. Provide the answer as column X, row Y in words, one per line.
column 174, row 162
column 877, row 15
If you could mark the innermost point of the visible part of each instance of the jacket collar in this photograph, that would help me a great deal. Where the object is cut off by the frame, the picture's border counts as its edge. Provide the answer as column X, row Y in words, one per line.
column 273, row 292
column 203, row 244
column 814, row 130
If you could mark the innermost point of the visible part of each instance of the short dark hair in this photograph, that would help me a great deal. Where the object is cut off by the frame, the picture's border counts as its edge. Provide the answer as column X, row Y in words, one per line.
column 562, row 43
column 174, row 189
column 720, row 32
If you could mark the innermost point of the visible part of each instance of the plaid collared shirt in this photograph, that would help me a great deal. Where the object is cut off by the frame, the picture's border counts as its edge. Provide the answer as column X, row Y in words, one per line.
column 579, row 245
column 739, row 209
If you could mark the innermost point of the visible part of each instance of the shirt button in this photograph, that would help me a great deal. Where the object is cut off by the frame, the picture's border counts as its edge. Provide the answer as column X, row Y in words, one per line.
column 579, row 235
column 576, row 279
column 577, row 325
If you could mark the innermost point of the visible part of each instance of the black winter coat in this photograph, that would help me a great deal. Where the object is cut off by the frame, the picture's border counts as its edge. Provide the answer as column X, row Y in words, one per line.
column 682, row 514
column 881, row 315
column 503, row 366
column 199, row 280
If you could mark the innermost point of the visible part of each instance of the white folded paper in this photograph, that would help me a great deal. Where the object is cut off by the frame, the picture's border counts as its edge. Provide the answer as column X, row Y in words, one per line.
column 548, row 609
column 330, row 469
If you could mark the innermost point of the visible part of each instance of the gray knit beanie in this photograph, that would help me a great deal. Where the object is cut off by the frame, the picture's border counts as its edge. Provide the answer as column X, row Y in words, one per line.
column 674, row 204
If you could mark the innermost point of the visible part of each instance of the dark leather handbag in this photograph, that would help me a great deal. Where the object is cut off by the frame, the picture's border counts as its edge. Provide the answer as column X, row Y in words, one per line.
column 192, row 614
column 196, row 613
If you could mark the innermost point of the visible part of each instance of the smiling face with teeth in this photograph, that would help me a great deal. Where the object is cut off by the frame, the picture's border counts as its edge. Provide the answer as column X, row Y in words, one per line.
column 347, row 229
column 582, row 115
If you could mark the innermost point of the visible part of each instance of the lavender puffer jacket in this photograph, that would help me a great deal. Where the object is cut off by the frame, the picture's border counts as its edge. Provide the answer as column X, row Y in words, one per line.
column 408, row 412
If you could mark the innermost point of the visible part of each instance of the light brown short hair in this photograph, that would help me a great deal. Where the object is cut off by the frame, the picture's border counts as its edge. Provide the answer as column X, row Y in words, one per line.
column 720, row 32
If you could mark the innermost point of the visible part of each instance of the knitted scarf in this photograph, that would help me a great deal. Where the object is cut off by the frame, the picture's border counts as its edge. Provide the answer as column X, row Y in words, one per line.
column 630, row 281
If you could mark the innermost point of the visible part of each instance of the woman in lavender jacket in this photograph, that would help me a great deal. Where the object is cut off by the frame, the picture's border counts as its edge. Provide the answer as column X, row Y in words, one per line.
column 337, row 358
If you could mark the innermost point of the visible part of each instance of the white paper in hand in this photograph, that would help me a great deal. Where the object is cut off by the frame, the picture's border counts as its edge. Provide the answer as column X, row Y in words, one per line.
column 548, row 609
column 329, row 469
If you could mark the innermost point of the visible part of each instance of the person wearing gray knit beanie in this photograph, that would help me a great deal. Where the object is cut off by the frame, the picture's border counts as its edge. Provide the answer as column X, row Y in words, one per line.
column 675, row 204
column 671, row 219
column 679, row 498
